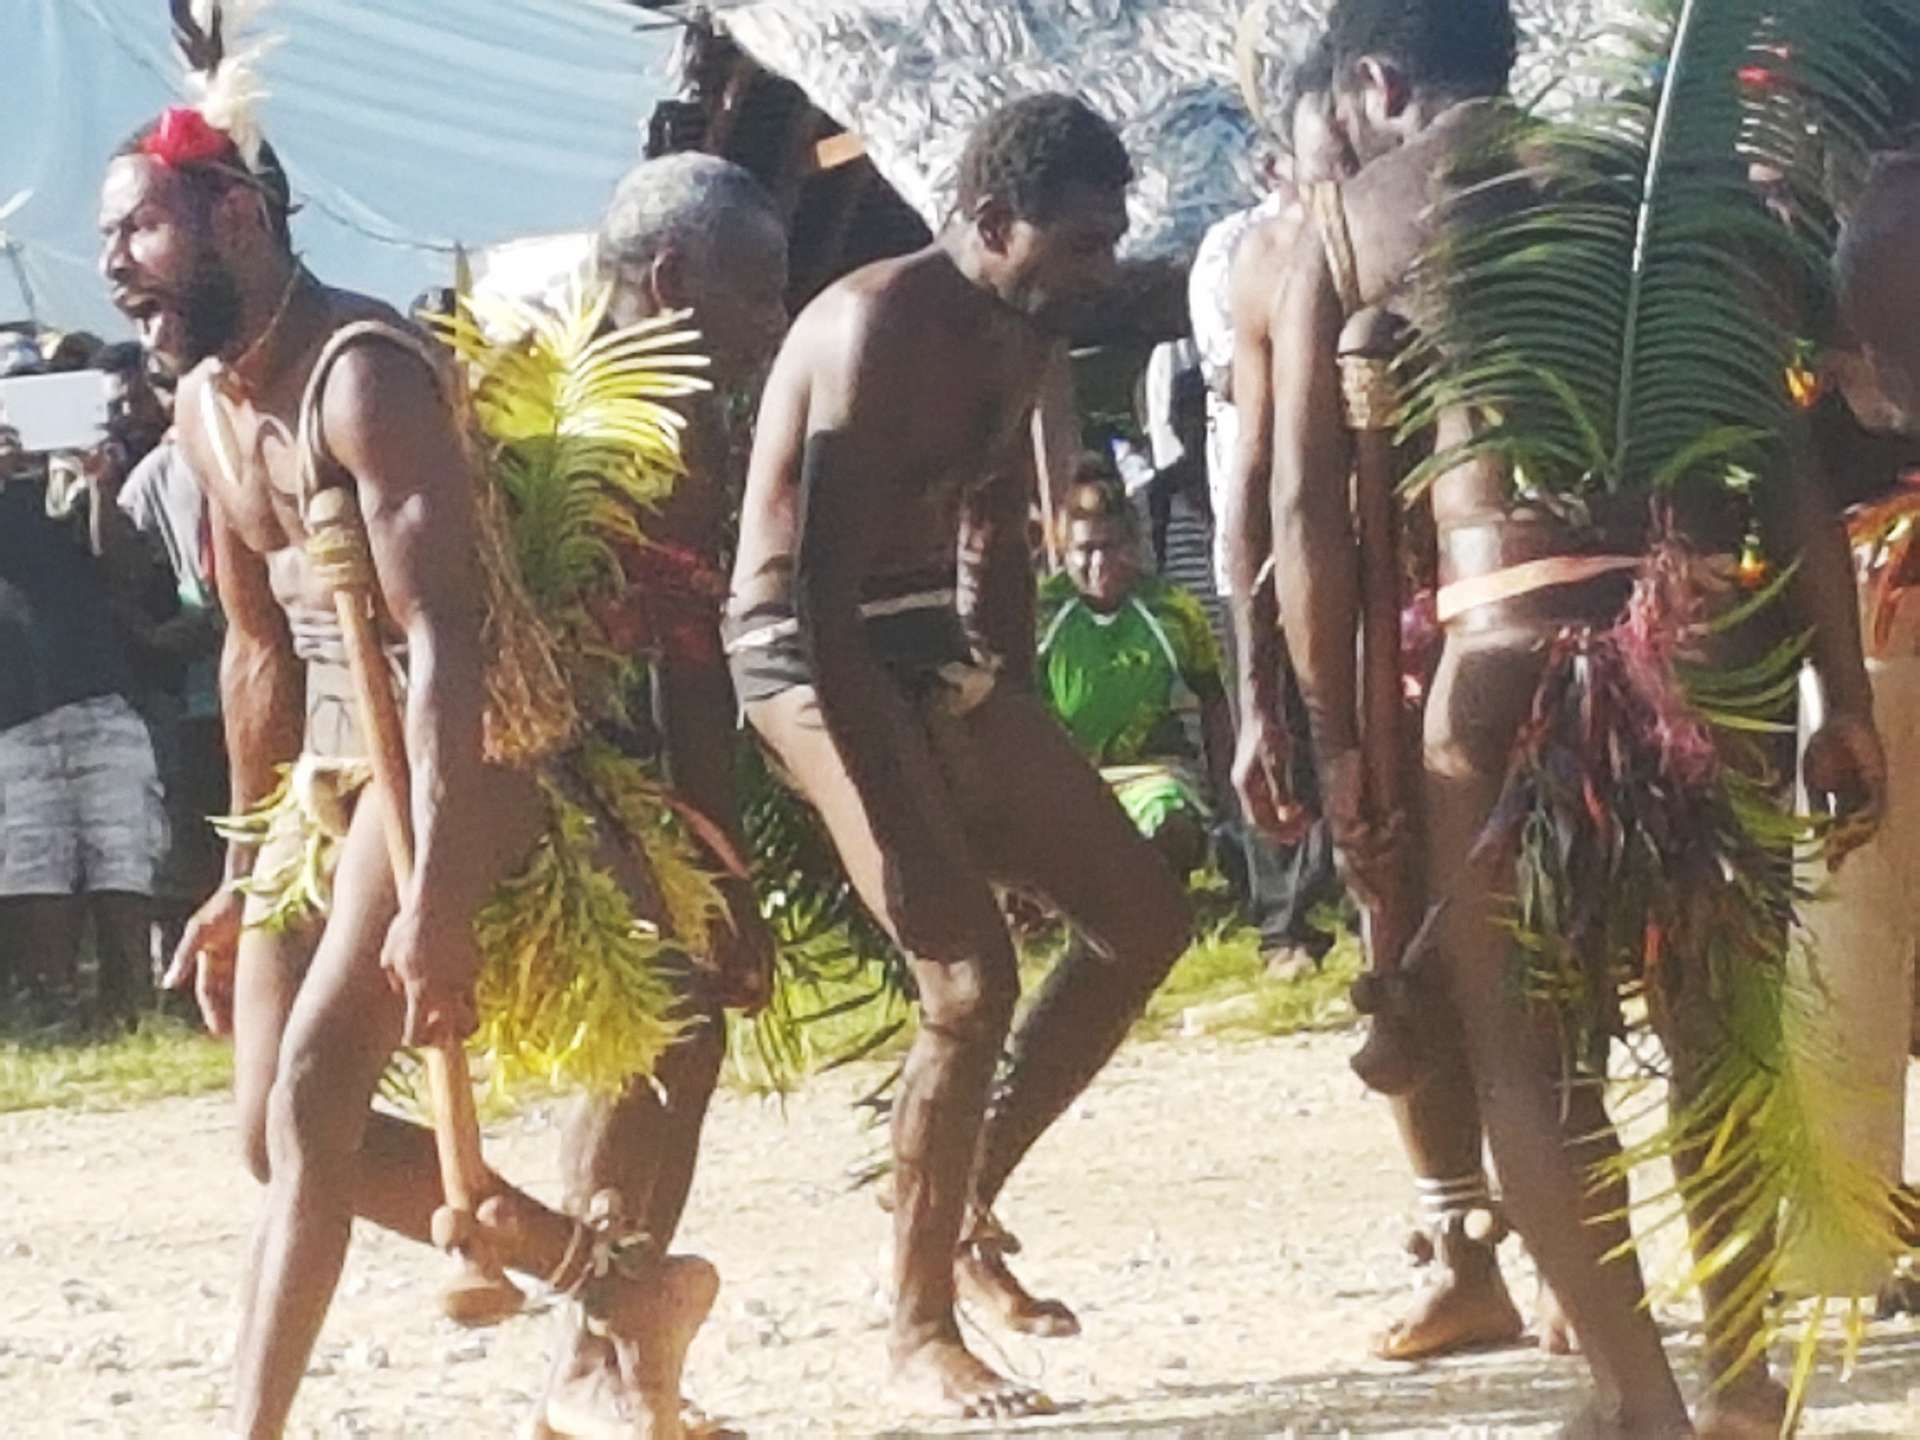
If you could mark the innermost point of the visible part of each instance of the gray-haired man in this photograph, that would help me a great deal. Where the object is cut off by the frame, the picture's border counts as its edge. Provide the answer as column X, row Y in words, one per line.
column 683, row 232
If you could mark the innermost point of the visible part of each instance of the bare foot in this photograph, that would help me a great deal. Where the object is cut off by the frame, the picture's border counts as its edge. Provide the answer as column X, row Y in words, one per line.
column 587, row 1396
column 981, row 1275
column 1753, row 1409
column 1551, row 1326
column 701, row 1426
column 944, row 1378
column 1288, row 963
column 1899, row 1296
column 623, row 1382
column 594, row 1404
column 1464, row 1309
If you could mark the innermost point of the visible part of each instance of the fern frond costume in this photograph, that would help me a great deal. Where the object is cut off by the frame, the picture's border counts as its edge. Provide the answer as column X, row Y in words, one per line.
column 834, row 965
column 1622, row 330
column 572, row 441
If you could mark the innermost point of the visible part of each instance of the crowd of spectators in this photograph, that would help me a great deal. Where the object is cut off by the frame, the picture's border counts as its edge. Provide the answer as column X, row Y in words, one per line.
column 110, row 748
column 111, row 752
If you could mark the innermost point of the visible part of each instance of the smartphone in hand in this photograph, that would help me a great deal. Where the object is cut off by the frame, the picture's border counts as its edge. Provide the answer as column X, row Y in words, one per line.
column 68, row 411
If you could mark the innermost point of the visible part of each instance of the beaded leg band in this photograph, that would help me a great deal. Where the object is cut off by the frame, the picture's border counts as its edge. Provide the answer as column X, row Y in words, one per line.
column 987, row 1237
column 1455, row 1211
column 603, row 1244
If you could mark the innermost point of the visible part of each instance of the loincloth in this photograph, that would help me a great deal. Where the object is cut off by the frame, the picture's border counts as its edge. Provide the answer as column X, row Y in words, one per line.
column 1647, row 843
column 1643, row 839
column 915, row 634
column 576, row 987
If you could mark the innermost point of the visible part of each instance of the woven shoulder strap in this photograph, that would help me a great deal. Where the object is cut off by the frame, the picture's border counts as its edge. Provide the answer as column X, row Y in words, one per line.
column 1329, row 212
column 311, row 441
column 531, row 711
column 1370, row 398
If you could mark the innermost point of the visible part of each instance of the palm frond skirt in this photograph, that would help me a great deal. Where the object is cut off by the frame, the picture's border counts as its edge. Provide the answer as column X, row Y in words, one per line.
column 1655, row 863
column 576, row 986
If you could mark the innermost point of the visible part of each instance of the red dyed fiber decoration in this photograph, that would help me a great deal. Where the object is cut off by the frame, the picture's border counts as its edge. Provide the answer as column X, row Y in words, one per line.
column 183, row 137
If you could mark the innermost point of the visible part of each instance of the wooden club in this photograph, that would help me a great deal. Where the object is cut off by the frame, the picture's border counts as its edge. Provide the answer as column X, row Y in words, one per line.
column 337, row 543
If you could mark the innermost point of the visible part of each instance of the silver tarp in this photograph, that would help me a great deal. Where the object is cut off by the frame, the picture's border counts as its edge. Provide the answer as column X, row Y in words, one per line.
column 911, row 77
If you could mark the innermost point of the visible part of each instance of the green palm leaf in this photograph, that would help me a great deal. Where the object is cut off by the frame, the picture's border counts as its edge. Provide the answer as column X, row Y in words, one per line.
column 1617, row 310
column 834, row 962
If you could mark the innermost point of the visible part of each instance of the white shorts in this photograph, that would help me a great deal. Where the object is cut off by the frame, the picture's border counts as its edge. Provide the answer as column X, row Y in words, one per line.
column 80, row 803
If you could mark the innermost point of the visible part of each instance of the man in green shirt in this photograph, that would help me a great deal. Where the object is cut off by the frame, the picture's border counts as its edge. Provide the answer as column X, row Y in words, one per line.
column 1119, row 651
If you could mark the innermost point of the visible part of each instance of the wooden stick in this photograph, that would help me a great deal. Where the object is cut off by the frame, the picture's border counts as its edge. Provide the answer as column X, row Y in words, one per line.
column 337, row 543
column 1390, row 1060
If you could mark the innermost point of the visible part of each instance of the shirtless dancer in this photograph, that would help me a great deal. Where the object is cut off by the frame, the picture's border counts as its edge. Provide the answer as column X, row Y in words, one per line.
column 1877, row 359
column 1870, row 431
column 1410, row 82
column 1467, row 1303
column 197, row 252
column 684, row 232
column 895, row 440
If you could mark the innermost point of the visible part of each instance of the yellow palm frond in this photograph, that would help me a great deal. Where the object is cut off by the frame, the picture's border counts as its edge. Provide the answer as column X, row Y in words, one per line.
column 572, row 992
column 559, row 375
column 580, row 421
column 1774, row 1181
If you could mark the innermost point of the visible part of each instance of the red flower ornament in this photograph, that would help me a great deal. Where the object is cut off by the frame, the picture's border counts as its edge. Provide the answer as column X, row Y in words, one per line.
column 1770, row 74
column 183, row 137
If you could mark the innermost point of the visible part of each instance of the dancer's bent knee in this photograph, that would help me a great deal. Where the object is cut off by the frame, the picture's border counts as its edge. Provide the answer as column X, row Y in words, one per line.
column 970, row 1000
column 307, row 1131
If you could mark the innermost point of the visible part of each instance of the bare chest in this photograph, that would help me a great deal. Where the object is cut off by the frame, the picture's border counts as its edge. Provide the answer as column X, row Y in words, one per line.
column 255, row 475
column 973, row 433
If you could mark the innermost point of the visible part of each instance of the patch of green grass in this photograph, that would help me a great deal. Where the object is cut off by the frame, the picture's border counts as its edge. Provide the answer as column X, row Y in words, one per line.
column 1221, row 978
column 161, row 1059
column 1224, row 981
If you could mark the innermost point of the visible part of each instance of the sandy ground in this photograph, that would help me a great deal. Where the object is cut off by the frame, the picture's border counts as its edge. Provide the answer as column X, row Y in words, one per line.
column 1227, row 1218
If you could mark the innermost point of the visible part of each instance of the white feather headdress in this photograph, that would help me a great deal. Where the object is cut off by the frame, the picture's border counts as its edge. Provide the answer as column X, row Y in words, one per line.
column 222, row 46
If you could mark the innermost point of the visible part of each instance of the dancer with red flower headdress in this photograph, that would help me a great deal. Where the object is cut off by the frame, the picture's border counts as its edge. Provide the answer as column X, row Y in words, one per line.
column 550, row 876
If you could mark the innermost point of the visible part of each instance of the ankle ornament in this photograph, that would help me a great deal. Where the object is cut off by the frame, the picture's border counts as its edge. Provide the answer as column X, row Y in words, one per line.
column 986, row 1238
column 603, row 1243
column 1454, row 1213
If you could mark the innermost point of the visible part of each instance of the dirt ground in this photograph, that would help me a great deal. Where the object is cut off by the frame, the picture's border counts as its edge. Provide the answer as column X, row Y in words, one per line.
column 1227, row 1218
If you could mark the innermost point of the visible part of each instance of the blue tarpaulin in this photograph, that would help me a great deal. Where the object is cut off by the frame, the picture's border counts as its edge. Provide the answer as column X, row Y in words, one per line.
column 405, row 126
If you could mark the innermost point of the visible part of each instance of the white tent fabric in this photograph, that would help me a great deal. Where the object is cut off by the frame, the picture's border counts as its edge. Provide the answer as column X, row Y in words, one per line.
column 912, row 77
column 405, row 125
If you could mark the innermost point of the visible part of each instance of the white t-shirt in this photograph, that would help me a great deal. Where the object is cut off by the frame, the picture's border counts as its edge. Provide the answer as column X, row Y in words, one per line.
column 1210, row 302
